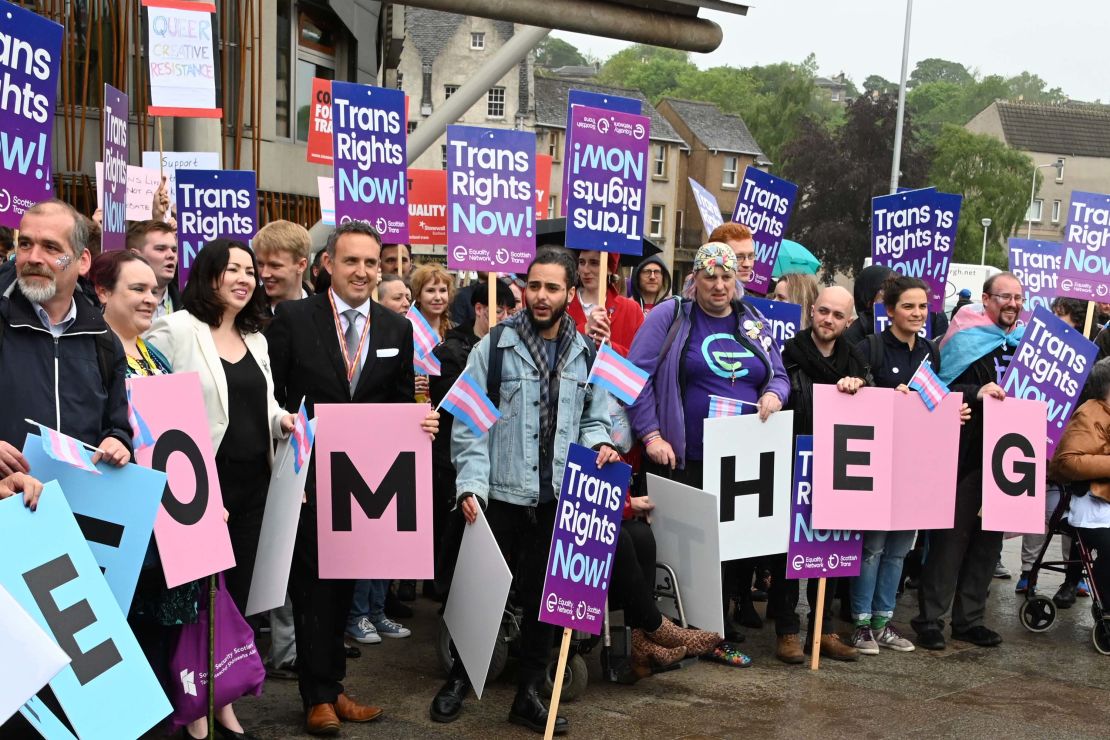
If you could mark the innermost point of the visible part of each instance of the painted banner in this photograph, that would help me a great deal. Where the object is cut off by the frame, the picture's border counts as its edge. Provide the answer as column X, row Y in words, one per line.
column 270, row 578
column 168, row 163
column 866, row 478
column 427, row 206
column 491, row 203
column 584, row 541
column 141, row 185
column 326, row 186
column 1014, row 466
column 811, row 552
column 212, row 204
column 113, row 204
column 708, row 207
column 373, row 491
column 1036, row 265
column 29, row 656
column 914, row 233
column 1051, row 364
column 368, row 125
column 590, row 99
column 319, row 149
column 785, row 318
column 764, row 204
column 747, row 464
column 192, row 536
column 108, row 690
column 182, row 60
column 543, row 185
column 684, row 523
column 1085, row 272
column 115, row 510
column 882, row 321
column 608, row 180
column 30, row 57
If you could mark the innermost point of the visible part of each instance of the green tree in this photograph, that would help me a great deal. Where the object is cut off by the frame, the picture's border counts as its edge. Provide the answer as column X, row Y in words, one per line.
column 652, row 70
column 994, row 181
column 555, row 52
column 939, row 70
column 877, row 85
column 1032, row 88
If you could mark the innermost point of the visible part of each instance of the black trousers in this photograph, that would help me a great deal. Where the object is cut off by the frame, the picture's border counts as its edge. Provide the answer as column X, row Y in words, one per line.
column 320, row 610
column 630, row 590
column 782, row 599
column 960, row 565
column 243, row 487
column 1099, row 541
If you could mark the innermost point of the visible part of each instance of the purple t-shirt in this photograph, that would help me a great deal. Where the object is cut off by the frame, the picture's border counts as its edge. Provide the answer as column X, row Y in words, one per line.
column 717, row 364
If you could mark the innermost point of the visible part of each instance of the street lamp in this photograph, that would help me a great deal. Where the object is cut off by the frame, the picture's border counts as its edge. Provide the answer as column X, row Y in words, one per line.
column 1059, row 165
column 986, row 227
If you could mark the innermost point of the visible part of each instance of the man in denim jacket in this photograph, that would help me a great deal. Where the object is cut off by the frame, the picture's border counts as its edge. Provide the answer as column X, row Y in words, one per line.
column 515, row 471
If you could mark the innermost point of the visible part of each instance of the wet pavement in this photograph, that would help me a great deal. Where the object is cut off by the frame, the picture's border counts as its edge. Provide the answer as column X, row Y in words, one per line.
column 1048, row 685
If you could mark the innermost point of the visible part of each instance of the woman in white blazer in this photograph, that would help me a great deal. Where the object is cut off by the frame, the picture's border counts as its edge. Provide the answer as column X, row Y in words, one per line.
column 219, row 337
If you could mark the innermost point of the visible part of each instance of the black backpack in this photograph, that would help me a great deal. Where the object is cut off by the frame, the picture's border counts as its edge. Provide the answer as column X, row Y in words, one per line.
column 496, row 360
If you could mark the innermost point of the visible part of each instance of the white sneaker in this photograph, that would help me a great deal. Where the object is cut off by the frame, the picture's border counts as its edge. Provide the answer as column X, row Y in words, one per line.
column 364, row 632
column 889, row 638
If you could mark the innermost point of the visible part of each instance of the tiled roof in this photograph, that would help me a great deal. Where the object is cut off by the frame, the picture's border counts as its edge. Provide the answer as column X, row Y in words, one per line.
column 717, row 130
column 1075, row 130
column 551, row 105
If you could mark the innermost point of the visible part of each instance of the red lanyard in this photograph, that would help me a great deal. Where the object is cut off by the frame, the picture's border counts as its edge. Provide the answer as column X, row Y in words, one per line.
column 351, row 363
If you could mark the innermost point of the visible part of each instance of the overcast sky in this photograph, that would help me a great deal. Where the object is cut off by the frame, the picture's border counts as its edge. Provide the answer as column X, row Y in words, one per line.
column 1066, row 42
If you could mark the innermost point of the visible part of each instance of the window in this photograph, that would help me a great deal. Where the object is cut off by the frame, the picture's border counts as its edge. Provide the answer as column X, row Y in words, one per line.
column 411, row 127
column 495, row 102
column 553, row 206
column 660, row 159
column 553, row 147
column 478, row 41
column 307, row 45
column 443, row 156
column 835, row 96
column 658, row 214
column 730, row 170
column 1056, row 211
column 1035, row 210
column 449, row 90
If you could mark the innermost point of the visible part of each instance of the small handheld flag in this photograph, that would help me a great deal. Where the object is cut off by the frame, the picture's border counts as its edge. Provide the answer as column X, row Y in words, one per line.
column 617, row 375
column 931, row 388
column 469, row 403
column 426, row 364
column 141, row 436
column 721, row 406
column 423, row 335
column 302, row 440
column 64, row 448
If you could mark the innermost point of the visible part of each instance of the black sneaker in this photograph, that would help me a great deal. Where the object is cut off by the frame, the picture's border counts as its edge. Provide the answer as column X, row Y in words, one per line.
column 978, row 635
column 1065, row 596
column 931, row 639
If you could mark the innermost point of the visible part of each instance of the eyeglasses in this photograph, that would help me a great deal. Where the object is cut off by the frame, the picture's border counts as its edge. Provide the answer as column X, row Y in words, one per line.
column 746, row 257
column 1017, row 298
column 652, row 273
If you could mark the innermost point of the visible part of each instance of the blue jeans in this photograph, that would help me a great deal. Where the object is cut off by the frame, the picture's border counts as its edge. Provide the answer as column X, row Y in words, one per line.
column 876, row 587
column 368, row 601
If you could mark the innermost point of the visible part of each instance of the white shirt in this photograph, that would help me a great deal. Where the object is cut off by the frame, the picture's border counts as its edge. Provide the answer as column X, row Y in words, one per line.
column 60, row 328
column 165, row 306
column 1089, row 512
column 341, row 308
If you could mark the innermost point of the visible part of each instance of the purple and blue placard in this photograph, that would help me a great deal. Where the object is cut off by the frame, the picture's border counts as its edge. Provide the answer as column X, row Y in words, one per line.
column 32, row 47
column 1085, row 272
column 213, row 204
column 882, row 321
column 1051, row 364
column 914, row 233
column 590, row 100
column 114, row 202
column 707, row 206
column 491, row 206
column 1036, row 265
column 763, row 205
column 785, row 318
column 584, row 541
column 608, row 180
column 368, row 147
column 816, row 553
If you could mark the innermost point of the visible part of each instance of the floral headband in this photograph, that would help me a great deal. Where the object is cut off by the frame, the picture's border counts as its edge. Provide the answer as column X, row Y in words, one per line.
column 715, row 254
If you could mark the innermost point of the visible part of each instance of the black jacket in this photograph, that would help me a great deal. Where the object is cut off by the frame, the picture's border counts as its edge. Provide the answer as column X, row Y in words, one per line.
column 801, row 387
column 452, row 354
column 58, row 382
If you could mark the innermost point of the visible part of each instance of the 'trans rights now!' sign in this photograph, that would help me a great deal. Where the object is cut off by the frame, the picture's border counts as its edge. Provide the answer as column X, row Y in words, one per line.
column 914, row 233
column 1086, row 269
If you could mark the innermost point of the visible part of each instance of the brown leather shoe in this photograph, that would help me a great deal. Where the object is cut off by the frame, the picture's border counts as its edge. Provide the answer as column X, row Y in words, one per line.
column 321, row 720
column 349, row 711
column 789, row 649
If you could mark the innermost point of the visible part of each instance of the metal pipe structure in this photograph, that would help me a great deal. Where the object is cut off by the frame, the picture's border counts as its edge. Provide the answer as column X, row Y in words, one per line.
column 896, row 165
column 639, row 25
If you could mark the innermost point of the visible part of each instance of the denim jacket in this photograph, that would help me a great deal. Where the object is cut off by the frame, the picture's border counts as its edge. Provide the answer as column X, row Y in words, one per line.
column 504, row 463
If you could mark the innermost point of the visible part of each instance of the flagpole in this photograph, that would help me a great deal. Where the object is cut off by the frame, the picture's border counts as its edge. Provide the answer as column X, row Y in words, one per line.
column 47, row 426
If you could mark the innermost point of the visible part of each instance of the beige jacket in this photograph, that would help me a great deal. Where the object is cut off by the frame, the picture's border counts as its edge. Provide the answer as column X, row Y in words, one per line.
column 1084, row 451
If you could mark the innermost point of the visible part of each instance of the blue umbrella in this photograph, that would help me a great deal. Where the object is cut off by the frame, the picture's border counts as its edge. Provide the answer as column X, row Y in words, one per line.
column 793, row 257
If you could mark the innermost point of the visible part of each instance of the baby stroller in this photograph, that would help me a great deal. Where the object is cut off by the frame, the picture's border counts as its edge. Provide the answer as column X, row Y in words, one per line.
column 1038, row 612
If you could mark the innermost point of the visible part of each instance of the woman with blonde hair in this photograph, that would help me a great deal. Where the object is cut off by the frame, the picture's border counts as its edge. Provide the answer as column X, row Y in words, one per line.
column 433, row 289
column 795, row 287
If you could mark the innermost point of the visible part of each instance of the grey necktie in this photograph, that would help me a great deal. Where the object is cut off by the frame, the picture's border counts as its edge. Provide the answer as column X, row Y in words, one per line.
column 351, row 337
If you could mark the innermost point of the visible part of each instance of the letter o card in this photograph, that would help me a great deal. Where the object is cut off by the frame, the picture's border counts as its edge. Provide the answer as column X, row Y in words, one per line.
column 584, row 541
column 373, row 491
column 1014, row 465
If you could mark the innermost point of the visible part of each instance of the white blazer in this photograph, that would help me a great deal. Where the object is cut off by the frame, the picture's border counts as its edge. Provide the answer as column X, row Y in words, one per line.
column 187, row 343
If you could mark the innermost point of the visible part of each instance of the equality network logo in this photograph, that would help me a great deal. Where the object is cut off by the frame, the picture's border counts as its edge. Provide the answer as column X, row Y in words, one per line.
column 188, row 684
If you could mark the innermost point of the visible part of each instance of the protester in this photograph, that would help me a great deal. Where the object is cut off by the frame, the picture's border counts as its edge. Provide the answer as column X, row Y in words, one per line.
column 318, row 355
column 739, row 238
column 462, row 310
column 321, row 279
column 397, row 260
column 868, row 291
column 31, row 489
column 156, row 242
column 7, row 243
column 975, row 354
column 433, row 289
column 681, row 348
column 799, row 289
column 964, row 299
column 126, row 286
column 650, row 283
column 516, row 285
column 817, row 355
column 620, row 318
column 516, row 469
column 282, row 248
column 394, row 294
